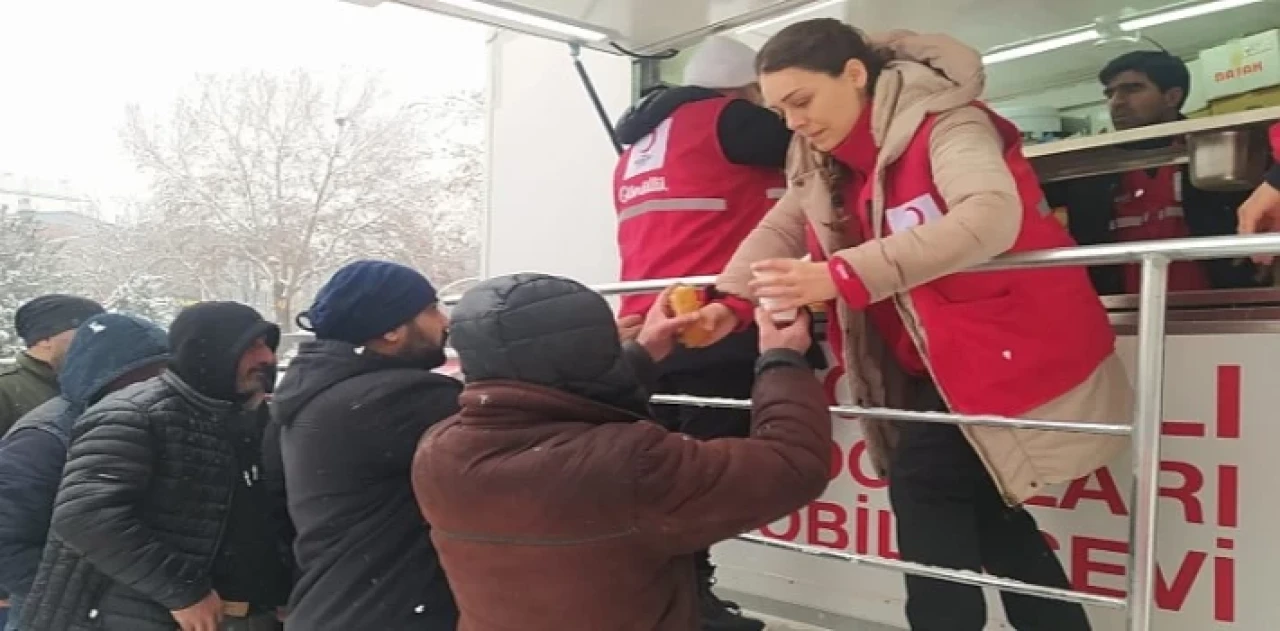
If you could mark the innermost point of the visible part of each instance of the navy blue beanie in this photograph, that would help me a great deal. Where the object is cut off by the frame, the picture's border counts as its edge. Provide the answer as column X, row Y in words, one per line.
column 366, row 299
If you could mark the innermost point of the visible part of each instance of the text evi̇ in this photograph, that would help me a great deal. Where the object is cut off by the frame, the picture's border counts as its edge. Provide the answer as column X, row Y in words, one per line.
column 1184, row 485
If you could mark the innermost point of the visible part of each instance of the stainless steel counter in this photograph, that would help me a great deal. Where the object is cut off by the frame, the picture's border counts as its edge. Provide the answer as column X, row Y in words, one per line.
column 1106, row 153
column 1227, row 311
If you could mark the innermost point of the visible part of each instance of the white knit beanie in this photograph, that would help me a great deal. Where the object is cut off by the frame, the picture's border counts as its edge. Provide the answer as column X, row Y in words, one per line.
column 721, row 63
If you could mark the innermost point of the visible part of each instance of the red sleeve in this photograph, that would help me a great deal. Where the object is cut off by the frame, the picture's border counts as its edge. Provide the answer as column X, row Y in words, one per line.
column 851, row 287
column 1275, row 142
column 742, row 309
column 1273, row 176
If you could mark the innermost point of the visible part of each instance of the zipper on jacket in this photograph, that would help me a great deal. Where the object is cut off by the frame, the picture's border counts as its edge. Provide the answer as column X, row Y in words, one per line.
column 231, row 498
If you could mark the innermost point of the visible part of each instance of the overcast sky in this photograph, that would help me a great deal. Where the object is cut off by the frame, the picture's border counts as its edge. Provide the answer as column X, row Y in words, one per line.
column 68, row 68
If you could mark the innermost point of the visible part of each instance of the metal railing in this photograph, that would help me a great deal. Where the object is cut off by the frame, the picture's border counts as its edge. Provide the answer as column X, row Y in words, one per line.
column 1154, row 256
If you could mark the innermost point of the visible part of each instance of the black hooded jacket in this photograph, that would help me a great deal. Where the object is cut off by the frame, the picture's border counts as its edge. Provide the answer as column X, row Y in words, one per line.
column 34, row 452
column 749, row 134
column 349, row 423
column 145, row 521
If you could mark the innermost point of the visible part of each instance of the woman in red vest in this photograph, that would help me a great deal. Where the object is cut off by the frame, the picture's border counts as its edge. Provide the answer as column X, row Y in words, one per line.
column 899, row 179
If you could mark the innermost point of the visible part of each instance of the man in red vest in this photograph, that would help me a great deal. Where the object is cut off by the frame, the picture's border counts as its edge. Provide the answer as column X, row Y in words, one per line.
column 703, row 166
column 1148, row 88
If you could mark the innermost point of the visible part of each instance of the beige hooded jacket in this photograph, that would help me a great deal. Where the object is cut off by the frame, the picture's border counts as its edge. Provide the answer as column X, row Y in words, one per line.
column 934, row 74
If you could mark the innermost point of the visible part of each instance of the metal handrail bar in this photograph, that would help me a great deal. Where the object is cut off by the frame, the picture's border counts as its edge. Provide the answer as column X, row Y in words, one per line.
column 1155, row 257
column 1185, row 249
column 890, row 414
column 928, row 571
column 1148, row 416
column 1190, row 248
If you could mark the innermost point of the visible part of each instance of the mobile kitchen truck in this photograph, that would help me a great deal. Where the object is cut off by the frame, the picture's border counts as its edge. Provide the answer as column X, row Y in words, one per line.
column 1201, row 512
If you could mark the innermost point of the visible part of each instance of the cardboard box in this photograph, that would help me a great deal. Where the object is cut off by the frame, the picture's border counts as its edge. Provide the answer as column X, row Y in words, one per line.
column 1267, row 97
column 1241, row 65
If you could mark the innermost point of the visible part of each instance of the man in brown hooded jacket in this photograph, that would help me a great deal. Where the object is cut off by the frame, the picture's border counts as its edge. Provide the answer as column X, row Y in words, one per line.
column 556, row 505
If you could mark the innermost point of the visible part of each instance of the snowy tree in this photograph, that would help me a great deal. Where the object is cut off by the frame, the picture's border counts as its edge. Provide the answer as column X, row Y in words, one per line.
column 263, row 184
column 442, row 237
column 29, row 267
column 126, row 268
column 147, row 295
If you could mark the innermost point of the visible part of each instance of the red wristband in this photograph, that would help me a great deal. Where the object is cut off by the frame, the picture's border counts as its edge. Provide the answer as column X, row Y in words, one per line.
column 849, row 284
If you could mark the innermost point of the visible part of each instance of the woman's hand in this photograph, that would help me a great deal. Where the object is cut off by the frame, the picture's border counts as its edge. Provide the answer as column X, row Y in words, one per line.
column 792, row 283
column 718, row 320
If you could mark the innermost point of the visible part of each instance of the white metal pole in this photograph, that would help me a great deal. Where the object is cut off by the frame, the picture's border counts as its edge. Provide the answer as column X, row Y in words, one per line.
column 1147, row 419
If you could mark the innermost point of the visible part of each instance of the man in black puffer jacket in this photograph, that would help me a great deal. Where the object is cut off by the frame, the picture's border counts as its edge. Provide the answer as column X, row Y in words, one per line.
column 110, row 351
column 351, row 409
column 160, row 522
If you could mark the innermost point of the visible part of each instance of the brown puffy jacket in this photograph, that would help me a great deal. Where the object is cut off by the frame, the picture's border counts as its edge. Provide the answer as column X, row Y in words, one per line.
column 553, row 512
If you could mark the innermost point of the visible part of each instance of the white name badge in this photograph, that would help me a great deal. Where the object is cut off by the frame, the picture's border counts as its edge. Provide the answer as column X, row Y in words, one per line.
column 916, row 212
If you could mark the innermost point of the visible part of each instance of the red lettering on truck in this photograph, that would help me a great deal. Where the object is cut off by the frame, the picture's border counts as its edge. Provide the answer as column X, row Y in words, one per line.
column 1237, row 72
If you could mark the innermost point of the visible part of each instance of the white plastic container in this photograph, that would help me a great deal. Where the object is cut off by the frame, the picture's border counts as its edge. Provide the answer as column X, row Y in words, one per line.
column 1036, row 120
column 785, row 316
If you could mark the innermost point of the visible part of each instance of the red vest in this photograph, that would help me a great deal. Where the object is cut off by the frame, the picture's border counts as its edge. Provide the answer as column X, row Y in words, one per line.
column 1001, row 342
column 1149, row 207
column 683, row 208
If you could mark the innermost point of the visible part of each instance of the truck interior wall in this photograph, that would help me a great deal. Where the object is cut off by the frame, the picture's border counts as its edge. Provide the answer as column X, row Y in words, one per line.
column 551, row 164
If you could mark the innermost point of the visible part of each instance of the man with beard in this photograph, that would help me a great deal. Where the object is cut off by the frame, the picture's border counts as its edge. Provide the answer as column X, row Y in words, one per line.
column 351, row 409
column 160, row 522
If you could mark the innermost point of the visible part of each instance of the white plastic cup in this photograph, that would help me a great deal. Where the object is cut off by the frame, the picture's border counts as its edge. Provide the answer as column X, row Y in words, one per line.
column 785, row 316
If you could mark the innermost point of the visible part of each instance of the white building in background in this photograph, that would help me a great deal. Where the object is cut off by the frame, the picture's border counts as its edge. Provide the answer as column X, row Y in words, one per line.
column 21, row 193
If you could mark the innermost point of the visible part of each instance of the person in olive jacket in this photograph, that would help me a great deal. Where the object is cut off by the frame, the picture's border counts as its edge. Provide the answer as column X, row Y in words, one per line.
column 46, row 325
column 556, row 504
column 162, row 521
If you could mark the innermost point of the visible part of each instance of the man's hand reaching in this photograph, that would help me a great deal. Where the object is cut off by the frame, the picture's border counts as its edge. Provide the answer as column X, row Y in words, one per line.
column 205, row 615
column 629, row 327
column 658, row 333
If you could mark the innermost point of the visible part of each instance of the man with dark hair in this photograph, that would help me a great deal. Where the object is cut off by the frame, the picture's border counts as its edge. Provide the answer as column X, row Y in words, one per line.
column 161, row 522
column 110, row 351
column 1149, row 88
column 46, row 325
column 1145, row 88
column 350, row 411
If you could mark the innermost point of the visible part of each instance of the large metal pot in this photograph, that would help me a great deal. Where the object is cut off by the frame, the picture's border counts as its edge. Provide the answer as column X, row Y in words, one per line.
column 1228, row 160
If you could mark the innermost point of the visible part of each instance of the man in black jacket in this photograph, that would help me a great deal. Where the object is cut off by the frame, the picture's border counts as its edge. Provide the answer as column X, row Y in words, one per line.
column 110, row 351
column 351, row 409
column 1148, row 88
column 160, row 522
